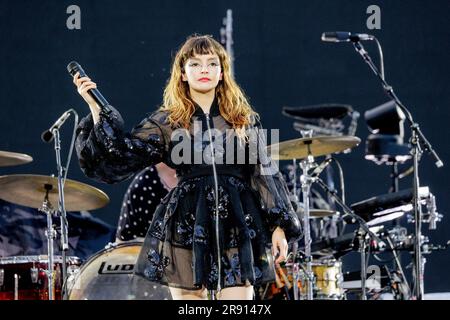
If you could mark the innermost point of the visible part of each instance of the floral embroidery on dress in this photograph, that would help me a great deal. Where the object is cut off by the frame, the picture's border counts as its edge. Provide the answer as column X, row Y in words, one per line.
column 213, row 274
column 157, row 230
column 200, row 235
column 223, row 203
column 237, row 183
column 156, row 265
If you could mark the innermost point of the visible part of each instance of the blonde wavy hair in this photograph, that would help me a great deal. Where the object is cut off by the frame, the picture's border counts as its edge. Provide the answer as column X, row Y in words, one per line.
column 233, row 104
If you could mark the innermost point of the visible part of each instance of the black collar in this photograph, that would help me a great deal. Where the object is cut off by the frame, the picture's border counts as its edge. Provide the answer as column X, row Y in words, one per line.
column 213, row 111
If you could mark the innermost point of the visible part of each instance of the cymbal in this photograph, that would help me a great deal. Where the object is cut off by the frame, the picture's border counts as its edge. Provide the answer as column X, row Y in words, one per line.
column 29, row 190
column 316, row 146
column 319, row 213
column 12, row 159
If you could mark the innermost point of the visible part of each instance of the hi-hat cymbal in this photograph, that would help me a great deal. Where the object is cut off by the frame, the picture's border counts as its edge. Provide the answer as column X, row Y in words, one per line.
column 13, row 159
column 316, row 146
column 319, row 213
column 29, row 190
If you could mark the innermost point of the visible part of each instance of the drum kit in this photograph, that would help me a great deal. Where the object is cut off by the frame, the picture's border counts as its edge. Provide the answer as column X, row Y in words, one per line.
column 41, row 277
column 313, row 269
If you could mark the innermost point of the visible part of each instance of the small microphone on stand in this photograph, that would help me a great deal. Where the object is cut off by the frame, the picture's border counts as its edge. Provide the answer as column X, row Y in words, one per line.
column 47, row 136
column 344, row 36
column 318, row 170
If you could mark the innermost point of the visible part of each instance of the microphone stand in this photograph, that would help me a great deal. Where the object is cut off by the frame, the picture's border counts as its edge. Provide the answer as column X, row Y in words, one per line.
column 214, row 293
column 62, row 211
column 418, row 142
column 62, row 174
column 50, row 234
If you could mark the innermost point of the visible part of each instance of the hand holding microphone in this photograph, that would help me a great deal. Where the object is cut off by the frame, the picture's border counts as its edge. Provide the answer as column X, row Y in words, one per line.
column 84, row 84
column 88, row 90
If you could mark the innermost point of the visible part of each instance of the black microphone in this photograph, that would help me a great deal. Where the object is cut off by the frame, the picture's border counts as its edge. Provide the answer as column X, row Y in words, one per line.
column 74, row 67
column 344, row 36
column 318, row 170
column 47, row 136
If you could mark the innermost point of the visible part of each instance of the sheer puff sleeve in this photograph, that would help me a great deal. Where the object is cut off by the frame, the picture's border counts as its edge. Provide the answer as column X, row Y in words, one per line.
column 267, row 180
column 108, row 154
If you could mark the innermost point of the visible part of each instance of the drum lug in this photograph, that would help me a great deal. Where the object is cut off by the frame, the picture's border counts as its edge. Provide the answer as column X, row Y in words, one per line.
column 111, row 245
column 16, row 286
column 2, row 276
column 34, row 272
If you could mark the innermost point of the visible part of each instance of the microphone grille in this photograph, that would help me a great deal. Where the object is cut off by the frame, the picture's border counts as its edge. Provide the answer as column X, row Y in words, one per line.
column 329, row 36
column 47, row 136
column 74, row 67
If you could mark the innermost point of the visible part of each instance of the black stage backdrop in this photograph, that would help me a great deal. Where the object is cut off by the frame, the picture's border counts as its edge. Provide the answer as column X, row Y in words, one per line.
column 127, row 48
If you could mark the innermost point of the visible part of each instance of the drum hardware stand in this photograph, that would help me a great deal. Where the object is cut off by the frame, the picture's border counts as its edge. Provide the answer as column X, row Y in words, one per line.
column 362, row 250
column 418, row 142
column 395, row 188
column 403, row 280
column 395, row 183
column 50, row 233
column 364, row 232
column 295, row 265
column 306, row 182
column 295, row 271
column 330, row 182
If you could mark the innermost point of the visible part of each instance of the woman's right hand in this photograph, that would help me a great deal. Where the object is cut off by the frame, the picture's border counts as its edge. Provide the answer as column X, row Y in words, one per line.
column 84, row 84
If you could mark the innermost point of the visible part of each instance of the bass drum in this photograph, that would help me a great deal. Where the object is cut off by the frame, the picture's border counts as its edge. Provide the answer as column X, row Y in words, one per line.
column 109, row 275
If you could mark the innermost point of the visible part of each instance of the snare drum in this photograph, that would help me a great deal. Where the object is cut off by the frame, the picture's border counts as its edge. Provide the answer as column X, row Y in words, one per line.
column 327, row 284
column 328, row 280
column 25, row 277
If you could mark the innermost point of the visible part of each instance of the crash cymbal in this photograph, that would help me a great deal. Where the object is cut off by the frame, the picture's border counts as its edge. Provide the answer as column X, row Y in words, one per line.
column 13, row 159
column 316, row 146
column 29, row 190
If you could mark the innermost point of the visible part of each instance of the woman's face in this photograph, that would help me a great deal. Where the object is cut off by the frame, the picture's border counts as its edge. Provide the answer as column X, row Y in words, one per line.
column 202, row 72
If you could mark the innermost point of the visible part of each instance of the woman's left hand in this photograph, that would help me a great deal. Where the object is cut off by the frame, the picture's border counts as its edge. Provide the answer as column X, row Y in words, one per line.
column 279, row 245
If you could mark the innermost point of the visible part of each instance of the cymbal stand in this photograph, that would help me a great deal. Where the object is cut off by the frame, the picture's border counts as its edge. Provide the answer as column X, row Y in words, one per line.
column 295, row 264
column 364, row 231
column 363, row 251
column 50, row 233
column 306, row 181
column 295, row 271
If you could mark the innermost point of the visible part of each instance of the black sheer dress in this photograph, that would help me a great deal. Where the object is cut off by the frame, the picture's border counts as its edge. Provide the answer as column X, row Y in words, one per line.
column 183, row 248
